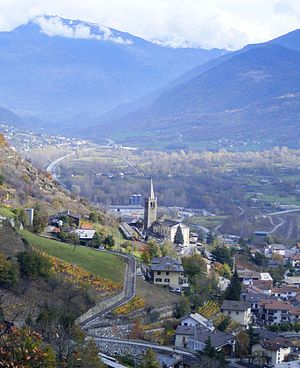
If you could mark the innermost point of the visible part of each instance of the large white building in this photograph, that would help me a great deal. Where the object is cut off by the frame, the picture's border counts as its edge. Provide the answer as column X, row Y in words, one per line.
column 166, row 229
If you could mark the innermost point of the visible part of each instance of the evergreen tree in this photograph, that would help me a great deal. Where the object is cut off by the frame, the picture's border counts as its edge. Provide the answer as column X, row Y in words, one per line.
column 209, row 349
column 179, row 239
column 253, row 336
column 222, row 255
column 233, row 292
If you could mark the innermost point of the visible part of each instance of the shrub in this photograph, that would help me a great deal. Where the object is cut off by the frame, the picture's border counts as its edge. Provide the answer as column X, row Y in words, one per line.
column 33, row 264
column 9, row 272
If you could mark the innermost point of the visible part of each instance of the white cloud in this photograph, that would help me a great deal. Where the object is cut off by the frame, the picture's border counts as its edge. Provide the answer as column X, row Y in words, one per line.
column 55, row 26
column 206, row 23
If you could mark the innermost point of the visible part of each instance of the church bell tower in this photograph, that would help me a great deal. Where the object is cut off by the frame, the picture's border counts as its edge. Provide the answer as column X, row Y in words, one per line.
column 150, row 212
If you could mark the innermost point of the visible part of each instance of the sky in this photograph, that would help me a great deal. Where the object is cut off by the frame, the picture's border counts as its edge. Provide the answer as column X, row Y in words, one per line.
column 229, row 24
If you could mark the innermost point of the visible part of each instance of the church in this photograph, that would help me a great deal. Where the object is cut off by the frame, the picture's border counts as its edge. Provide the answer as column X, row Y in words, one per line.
column 162, row 228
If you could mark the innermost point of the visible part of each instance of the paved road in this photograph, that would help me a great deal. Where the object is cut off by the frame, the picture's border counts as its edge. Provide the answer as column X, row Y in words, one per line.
column 130, row 289
column 52, row 166
column 282, row 222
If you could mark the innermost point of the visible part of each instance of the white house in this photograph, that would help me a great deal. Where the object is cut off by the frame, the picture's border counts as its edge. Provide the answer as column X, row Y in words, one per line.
column 197, row 320
column 274, row 351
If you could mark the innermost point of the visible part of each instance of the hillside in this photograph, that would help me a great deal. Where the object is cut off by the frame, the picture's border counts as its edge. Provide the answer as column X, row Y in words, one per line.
column 24, row 185
column 231, row 97
column 72, row 70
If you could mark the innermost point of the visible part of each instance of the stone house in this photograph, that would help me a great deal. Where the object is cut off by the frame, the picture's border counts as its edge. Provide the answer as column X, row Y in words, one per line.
column 238, row 311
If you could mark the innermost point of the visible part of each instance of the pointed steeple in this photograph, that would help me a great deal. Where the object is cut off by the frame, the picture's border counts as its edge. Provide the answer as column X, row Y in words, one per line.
column 151, row 190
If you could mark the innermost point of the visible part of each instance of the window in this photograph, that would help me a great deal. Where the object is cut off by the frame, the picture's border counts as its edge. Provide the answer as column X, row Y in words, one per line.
column 158, row 280
column 237, row 313
column 167, row 280
column 158, row 272
column 229, row 312
column 167, row 273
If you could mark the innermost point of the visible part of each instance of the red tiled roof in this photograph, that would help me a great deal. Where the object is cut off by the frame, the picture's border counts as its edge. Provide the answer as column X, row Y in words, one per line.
column 275, row 305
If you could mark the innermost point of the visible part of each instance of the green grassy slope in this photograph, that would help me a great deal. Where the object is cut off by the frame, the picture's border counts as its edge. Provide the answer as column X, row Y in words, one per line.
column 100, row 263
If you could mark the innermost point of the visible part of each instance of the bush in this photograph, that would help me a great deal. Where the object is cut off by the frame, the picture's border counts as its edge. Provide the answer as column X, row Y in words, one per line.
column 9, row 272
column 33, row 264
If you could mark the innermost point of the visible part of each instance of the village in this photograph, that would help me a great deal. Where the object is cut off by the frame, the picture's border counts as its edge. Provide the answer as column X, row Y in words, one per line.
column 252, row 315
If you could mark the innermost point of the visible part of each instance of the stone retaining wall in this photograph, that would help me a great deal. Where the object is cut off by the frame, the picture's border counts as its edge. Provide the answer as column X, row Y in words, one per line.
column 102, row 305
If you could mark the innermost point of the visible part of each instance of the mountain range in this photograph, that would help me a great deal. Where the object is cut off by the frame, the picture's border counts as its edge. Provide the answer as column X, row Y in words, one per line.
column 62, row 71
column 95, row 82
column 252, row 94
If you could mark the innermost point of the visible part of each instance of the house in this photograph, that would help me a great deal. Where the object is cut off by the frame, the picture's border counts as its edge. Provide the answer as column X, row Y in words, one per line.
column 285, row 292
column 168, row 271
column 273, row 351
column 237, row 311
column 272, row 312
column 292, row 280
column 295, row 260
column 271, row 249
column 247, row 277
column 197, row 320
column 85, row 236
column 166, row 229
column 72, row 218
column 183, row 335
column 220, row 340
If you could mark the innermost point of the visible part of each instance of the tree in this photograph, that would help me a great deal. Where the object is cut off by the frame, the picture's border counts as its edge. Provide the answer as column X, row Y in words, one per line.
column 209, row 350
column 233, row 291
column 253, row 337
column 149, row 360
column 194, row 266
column 182, row 308
column 167, row 249
column 242, row 344
column 178, row 238
column 154, row 249
column 109, row 241
column 222, row 255
column 97, row 240
column 40, row 219
column 145, row 256
column 260, row 259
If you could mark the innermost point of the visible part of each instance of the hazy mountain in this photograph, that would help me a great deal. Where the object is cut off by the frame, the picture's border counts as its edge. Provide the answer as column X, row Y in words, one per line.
column 8, row 117
column 54, row 68
column 256, row 87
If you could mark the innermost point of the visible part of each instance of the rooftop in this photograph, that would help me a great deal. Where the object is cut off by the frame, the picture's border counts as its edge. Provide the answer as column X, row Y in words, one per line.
column 276, row 344
column 235, row 305
column 218, row 339
column 249, row 274
column 166, row 264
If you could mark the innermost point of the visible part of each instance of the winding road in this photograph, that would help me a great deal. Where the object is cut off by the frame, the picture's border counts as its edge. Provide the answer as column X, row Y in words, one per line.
column 126, row 295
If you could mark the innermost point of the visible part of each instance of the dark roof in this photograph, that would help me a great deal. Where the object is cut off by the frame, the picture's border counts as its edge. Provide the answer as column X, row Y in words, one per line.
column 277, row 343
column 218, row 339
column 166, row 264
column 235, row 305
column 169, row 223
column 265, row 334
column 248, row 274
column 68, row 213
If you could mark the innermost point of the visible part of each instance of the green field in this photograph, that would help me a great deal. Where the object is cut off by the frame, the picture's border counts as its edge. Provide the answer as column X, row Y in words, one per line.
column 100, row 263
